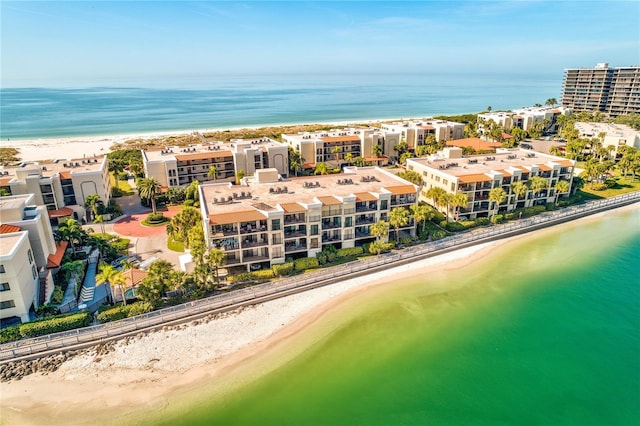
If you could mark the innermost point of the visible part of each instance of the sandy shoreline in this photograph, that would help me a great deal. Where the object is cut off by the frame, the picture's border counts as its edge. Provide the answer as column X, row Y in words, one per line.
column 167, row 368
column 46, row 149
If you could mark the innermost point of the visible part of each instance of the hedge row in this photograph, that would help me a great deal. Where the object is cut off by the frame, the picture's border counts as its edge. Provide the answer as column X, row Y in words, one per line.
column 9, row 334
column 55, row 324
column 306, row 263
column 351, row 251
column 125, row 311
column 283, row 269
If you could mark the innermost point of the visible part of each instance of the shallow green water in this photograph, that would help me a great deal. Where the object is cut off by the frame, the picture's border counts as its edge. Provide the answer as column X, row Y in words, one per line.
column 547, row 332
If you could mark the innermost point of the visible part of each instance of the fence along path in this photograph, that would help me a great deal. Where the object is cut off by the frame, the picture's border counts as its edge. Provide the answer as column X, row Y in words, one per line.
column 96, row 334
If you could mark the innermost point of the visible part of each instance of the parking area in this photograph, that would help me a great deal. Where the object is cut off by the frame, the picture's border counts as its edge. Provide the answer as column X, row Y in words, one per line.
column 541, row 145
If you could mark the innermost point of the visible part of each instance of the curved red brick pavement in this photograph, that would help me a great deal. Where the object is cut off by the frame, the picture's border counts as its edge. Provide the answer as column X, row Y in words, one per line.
column 131, row 225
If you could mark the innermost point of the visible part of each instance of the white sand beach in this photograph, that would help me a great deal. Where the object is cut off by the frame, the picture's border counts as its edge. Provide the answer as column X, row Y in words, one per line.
column 163, row 369
column 47, row 149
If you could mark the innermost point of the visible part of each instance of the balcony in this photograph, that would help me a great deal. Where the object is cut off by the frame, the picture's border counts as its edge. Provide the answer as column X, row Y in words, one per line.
column 363, row 207
column 227, row 244
column 365, row 220
column 395, row 201
column 331, row 224
column 292, row 247
column 295, row 218
column 253, row 241
column 218, row 231
column 293, row 232
column 253, row 227
column 328, row 238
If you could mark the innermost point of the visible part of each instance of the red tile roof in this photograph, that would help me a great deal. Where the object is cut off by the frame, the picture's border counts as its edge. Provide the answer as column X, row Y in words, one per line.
column 351, row 138
column 9, row 229
column 481, row 177
column 63, row 212
column 235, row 217
column 54, row 260
column 475, row 143
column 365, row 196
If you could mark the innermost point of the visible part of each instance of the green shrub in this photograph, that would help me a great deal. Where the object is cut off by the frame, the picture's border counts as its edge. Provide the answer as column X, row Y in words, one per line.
column 346, row 252
column 406, row 240
column 438, row 217
column 9, row 334
column 438, row 234
column 510, row 216
column 482, row 221
column 265, row 274
column 122, row 311
column 55, row 324
column 241, row 277
column 322, row 258
column 498, row 218
column 188, row 203
column 306, row 263
column 58, row 295
column 549, row 206
column 468, row 223
column 282, row 269
column 157, row 217
column 453, row 226
column 123, row 176
column 532, row 211
column 331, row 255
column 597, row 186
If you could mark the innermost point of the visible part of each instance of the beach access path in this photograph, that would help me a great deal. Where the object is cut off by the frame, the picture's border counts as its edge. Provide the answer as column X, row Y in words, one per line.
column 90, row 336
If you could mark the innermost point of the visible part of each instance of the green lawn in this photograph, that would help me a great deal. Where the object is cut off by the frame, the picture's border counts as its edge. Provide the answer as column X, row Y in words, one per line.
column 122, row 185
column 622, row 186
column 175, row 245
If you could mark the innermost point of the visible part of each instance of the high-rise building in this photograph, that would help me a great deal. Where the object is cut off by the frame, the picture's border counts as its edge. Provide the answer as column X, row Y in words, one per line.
column 613, row 91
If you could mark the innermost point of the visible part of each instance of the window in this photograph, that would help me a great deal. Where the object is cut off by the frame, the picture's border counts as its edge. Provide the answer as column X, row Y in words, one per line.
column 2, row 271
column 445, row 182
column 314, row 229
column 348, row 221
column 34, row 272
column 275, row 225
column 30, row 256
column 4, row 287
column 384, row 204
column 7, row 304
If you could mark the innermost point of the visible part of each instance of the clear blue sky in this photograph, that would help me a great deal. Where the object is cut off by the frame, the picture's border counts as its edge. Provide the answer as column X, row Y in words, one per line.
column 47, row 42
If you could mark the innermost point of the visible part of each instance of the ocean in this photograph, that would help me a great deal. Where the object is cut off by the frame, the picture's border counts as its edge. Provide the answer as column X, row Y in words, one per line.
column 129, row 106
column 544, row 331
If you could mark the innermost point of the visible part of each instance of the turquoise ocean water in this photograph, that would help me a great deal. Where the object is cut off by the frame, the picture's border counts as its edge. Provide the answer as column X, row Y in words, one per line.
column 545, row 331
column 125, row 107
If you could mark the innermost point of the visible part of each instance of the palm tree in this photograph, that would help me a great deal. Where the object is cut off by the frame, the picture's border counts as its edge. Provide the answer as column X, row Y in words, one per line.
column 182, row 223
column 458, row 201
column 213, row 173
column 111, row 275
column 436, row 194
column 551, row 102
column 562, row 186
column 94, row 203
column 497, row 196
column 398, row 217
column 421, row 213
column 376, row 151
column 537, row 184
column 70, row 231
column 100, row 219
column 117, row 167
column 321, row 169
column 520, row 189
column 239, row 176
column 149, row 188
column 295, row 166
column 348, row 157
column 336, row 150
column 379, row 229
column 74, row 269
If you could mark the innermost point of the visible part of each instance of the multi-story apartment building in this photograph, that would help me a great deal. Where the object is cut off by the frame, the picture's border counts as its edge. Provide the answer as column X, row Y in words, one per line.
column 27, row 242
column 615, row 135
column 335, row 147
column 179, row 166
column 476, row 175
column 613, row 91
column 61, row 185
column 268, row 219
column 416, row 132
column 525, row 118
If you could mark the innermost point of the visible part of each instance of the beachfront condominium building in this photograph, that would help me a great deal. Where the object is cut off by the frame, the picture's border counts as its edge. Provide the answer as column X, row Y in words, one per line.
column 341, row 147
column 416, row 132
column 524, row 118
column 268, row 219
column 30, row 255
column 179, row 166
column 62, row 186
column 612, row 91
column 475, row 176
column 615, row 135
